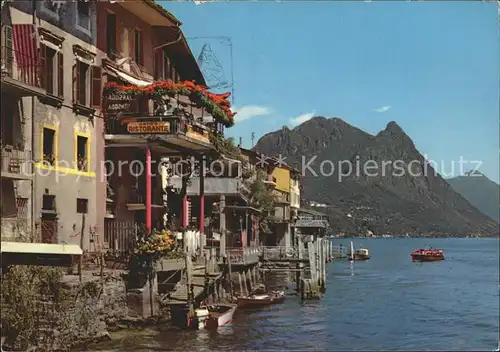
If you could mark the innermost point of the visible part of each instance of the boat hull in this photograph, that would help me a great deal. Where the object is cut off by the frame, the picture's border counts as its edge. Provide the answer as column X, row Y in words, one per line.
column 221, row 315
column 426, row 258
column 249, row 302
column 359, row 257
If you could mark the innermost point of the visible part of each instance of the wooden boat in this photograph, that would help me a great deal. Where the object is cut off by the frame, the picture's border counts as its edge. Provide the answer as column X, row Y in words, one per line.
column 221, row 314
column 427, row 255
column 358, row 254
column 257, row 300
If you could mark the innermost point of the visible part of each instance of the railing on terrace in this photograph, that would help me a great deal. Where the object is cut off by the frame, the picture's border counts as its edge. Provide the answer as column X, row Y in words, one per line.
column 120, row 236
column 22, row 68
column 281, row 252
column 240, row 255
column 14, row 161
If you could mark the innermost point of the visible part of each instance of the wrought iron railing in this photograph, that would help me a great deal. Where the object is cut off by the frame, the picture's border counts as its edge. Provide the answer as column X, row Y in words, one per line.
column 15, row 161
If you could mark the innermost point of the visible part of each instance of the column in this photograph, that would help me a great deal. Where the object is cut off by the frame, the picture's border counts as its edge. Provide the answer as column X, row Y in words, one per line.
column 202, row 204
column 148, row 190
column 222, row 225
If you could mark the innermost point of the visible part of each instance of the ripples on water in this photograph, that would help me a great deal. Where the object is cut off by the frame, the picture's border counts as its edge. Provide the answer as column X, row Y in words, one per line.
column 386, row 303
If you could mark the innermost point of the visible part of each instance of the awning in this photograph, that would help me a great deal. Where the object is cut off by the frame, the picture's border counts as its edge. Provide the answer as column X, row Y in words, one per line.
column 130, row 79
column 40, row 248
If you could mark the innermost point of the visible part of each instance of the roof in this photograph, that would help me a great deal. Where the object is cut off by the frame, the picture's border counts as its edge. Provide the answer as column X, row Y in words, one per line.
column 40, row 248
column 312, row 212
column 163, row 11
column 241, row 207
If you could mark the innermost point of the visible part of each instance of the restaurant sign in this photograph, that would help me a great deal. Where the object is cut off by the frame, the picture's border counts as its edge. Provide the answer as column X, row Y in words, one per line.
column 148, row 127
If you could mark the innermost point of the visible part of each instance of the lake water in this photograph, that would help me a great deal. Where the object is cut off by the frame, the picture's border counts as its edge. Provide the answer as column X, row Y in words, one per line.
column 385, row 303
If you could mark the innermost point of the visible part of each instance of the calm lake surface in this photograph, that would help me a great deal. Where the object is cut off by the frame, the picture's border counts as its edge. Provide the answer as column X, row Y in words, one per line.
column 385, row 303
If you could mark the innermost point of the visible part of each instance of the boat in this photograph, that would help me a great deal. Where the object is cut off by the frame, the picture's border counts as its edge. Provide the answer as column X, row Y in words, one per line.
column 427, row 255
column 259, row 297
column 358, row 254
column 221, row 314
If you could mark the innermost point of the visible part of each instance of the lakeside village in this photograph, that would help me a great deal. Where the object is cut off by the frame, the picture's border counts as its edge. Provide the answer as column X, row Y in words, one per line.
column 86, row 250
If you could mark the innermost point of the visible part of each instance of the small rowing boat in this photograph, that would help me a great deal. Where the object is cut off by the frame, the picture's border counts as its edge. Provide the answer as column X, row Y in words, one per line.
column 220, row 314
column 257, row 300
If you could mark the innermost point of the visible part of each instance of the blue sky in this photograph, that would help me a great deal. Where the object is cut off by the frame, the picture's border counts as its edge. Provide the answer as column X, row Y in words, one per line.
column 431, row 67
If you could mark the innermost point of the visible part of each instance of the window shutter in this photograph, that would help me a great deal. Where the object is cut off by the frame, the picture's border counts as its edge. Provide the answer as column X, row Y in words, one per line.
column 60, row 73
column 75, row 83
column 96, row 87
column 43, row 66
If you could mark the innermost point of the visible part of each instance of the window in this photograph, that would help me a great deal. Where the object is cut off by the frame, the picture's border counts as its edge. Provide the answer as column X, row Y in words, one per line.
column 49, row 147
column 80, row 82
column 82, row 153
column 7, row 122
column 87, row 84
column 51, row 7
column 48, row 202
column 82, row 205
column 83, row 15
column 111, row 33
column 53, row 70
column 138, row 47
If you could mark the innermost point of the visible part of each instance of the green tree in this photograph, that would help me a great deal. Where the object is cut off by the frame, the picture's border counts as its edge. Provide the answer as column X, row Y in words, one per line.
column 262, row 198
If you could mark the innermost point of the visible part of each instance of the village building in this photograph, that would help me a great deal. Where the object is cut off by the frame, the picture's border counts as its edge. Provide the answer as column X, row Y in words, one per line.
column 150, row 137
column 51, row 92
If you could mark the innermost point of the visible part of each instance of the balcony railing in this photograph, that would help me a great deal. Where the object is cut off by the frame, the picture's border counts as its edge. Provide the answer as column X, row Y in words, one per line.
column 15, row 162
column 21, row 68
column 239, row 255
column 143, row 124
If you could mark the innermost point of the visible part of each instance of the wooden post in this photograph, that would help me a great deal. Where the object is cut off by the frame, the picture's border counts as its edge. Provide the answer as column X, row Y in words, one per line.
column 240, row 279
column 312, row 259
column 245, row 282
column 82, row 235
column 231, row 291
column 299, row 275
column 255, row 280
column 189, row 277
column 250, row 278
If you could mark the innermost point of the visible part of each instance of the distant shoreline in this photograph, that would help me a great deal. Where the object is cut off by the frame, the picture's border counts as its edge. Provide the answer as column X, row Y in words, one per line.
column 401, row 237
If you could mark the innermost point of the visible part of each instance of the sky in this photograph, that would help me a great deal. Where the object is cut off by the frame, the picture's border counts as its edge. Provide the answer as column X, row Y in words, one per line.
column 431, row 67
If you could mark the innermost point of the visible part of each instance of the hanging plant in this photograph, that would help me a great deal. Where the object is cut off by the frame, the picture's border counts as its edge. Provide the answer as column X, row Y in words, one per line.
column 215, row 104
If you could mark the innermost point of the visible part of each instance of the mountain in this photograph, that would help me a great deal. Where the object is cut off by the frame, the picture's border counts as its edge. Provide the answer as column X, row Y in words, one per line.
column 480, row 191
column 379, row 183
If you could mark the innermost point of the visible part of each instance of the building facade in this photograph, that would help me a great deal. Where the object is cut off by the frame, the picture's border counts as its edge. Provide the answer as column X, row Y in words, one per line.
column 51, row 46
column 141, row 46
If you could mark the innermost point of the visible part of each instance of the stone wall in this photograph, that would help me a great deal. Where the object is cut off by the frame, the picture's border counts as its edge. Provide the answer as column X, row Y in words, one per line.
column 58, row 314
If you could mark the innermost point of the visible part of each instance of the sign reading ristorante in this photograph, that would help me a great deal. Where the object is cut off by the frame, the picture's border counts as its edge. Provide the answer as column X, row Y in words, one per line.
column 148, row 127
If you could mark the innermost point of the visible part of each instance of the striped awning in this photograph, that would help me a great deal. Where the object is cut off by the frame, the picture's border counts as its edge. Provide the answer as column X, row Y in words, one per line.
column 25, row 47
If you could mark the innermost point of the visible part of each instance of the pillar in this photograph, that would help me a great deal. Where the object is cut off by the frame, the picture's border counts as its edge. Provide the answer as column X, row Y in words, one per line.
column 222, row 225
column 148, row 190
column 202, row 204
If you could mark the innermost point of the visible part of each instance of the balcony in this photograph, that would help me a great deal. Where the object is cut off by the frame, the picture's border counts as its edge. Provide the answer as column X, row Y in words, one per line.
column 177, row 132
column 137, row 200
column 15, row 164
column 270, row 181
column 21, row 75
column 281, row 197
column 214, row 186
